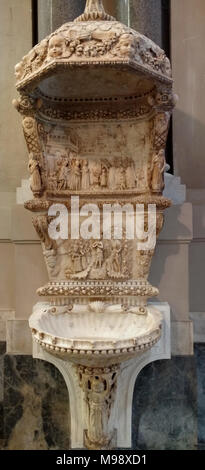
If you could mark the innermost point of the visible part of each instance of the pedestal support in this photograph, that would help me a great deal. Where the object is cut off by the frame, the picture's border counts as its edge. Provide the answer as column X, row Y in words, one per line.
column 121, row 411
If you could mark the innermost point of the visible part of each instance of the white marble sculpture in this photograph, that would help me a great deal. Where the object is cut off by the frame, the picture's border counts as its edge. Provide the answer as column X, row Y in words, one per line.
column 96, row 99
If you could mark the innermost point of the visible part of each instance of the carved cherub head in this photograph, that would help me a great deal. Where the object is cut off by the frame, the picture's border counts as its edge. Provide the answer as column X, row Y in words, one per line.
column 55, row 46
column 166, row 67
column 40, row 51
column 28, row 124
column 18, row 70
column 126, row 44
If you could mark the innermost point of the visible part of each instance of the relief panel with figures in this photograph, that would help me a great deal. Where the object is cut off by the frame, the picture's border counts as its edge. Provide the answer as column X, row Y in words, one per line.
column 78, row 158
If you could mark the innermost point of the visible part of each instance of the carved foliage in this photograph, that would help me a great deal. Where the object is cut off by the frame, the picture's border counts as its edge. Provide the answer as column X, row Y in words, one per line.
column 27, row 105
column 40, row 224
column 87, row 41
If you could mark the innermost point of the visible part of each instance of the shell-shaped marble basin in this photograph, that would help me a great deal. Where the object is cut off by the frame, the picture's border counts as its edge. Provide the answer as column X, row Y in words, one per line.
column 96, row 338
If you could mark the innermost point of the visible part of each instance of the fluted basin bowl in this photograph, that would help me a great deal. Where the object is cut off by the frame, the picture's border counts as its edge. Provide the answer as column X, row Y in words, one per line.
column 95, row 338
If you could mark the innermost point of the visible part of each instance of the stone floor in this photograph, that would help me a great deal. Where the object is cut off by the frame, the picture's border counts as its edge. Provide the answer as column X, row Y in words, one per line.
column 168, row 397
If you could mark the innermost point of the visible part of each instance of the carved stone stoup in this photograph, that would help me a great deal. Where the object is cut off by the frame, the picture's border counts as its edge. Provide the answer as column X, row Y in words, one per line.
column 96, row 99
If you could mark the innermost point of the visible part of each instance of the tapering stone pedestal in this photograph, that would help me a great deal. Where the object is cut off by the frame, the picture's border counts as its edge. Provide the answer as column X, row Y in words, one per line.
column 122, row 410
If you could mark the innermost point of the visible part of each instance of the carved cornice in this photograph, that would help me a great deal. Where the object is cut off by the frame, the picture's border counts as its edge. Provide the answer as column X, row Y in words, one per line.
column 92, row 43
column 42, row 205
column 98, row 288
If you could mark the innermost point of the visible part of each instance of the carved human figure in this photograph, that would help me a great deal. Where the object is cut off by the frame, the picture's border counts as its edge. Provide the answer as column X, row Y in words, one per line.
column 97, row 411
column 55, row 46
column 112, row 178
column 85, row 175
column 75, row 175
column 63, row 172
column 34, row 170
column 126, row 45
column 157, row 171
column 114, row 262
column 52, row 181
column 97, row 254
column 95, row 174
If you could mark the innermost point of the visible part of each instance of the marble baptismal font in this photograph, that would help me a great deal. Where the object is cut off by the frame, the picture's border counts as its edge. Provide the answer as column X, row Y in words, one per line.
column 96, row 99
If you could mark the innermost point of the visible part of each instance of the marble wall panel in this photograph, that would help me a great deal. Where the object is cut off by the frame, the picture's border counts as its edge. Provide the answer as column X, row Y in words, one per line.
column 35, row 406
column 165, row 406
column 34, row 412
column 200, row 356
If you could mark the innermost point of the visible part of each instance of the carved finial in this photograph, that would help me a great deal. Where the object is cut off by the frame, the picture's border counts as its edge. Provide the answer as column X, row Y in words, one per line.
column 94, row 11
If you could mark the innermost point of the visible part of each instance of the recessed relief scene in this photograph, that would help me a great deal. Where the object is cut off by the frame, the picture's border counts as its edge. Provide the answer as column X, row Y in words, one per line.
column 78, row 160
column 96, row 259
column 84, row 259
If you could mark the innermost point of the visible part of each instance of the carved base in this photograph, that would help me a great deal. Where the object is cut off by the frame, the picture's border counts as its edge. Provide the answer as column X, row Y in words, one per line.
column 107, row 443
column 118, row 430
